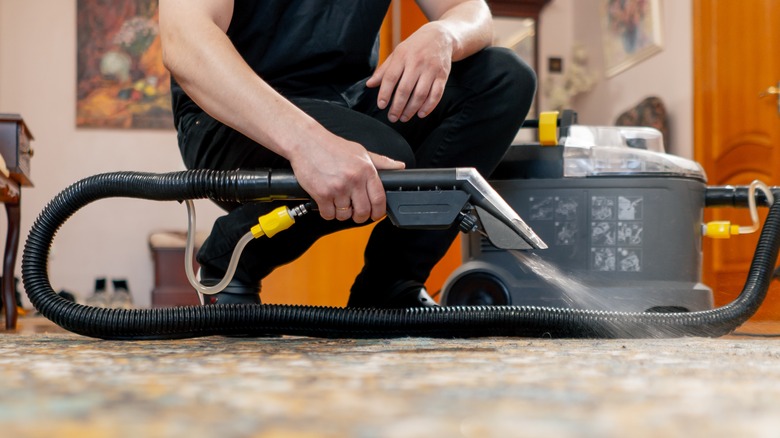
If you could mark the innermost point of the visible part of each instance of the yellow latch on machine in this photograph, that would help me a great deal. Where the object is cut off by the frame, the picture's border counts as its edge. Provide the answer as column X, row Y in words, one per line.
column 548, row 128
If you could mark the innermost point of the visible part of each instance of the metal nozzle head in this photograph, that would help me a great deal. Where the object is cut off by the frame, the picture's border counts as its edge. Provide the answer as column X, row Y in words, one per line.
column 501, row 224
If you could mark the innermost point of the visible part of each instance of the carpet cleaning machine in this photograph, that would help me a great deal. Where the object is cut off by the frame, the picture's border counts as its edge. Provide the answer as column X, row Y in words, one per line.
column 611, row 245
column 608, row 201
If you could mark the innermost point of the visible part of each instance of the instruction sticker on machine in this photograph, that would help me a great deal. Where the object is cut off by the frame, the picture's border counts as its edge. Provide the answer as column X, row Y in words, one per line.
column 562, row 211
column 616, row 229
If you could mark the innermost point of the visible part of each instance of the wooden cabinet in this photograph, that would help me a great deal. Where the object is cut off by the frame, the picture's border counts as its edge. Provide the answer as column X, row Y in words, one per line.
column 15, row 147
column 171, row 287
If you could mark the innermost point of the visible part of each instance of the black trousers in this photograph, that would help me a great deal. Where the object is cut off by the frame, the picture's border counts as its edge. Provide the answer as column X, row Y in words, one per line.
column 485, row 101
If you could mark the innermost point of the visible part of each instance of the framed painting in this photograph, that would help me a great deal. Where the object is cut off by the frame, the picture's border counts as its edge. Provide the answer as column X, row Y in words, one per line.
column 121, row 80
column 631, row 32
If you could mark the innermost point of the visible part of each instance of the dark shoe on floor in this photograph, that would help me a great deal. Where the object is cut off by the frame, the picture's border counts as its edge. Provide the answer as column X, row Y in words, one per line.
column 100, row 297
column 121, row 298
column 236, row 291
column 413, row 295
column 404, row 295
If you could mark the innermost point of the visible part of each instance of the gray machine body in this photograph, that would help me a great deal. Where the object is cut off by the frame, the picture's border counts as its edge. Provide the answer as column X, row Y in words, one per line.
column 619, row 243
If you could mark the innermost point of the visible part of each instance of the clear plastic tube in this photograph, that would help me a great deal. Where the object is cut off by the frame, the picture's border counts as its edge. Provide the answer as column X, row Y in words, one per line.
column 756, row 184
column 190, row 249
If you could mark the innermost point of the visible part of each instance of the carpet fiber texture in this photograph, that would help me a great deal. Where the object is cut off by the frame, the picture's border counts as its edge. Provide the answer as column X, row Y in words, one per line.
column 60, row 384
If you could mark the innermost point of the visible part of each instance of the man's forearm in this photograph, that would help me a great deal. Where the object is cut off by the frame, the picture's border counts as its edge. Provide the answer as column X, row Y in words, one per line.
column 204, row 62
column 468, row 22
column 340, row 175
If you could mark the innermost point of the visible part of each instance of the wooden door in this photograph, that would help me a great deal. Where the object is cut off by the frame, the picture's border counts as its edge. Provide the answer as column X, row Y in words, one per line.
column 737, row 133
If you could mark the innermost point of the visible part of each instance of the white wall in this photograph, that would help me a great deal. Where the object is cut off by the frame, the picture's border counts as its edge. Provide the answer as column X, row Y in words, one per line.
column 38, row 81
column 668, row 74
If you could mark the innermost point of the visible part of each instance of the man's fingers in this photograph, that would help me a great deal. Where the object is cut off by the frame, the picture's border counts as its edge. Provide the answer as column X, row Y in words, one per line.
column 361, row 207
column 390, row 77
column 376, row 195
column 401, row 97
column 419, row 97
column 376, row 79
column 327, row 210
column 343, row 207
column 383, row 162
column 434, row 97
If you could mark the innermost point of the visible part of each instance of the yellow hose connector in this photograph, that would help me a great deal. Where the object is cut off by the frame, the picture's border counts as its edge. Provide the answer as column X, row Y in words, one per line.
column 269, row 224
column 720, row 229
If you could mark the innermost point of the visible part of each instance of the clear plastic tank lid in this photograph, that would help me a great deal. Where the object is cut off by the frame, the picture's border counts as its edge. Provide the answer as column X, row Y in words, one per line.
column 619, row 150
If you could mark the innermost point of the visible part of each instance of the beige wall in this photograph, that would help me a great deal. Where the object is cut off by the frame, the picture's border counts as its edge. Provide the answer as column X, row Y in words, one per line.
column 38, row 81
column 1, row 57
column 668, row 74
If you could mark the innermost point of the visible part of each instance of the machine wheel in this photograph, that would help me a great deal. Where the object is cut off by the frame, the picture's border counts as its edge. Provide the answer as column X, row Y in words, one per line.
column 477, row 289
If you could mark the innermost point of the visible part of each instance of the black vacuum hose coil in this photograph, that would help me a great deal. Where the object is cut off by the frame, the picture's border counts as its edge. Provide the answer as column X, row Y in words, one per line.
column 444, row 322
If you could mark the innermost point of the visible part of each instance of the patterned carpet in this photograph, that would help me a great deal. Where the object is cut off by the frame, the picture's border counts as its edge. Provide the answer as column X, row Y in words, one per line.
column 60, row 384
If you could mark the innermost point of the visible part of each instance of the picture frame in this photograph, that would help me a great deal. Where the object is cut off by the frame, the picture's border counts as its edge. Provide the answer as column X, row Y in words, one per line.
column 631, row 33
column 121, row 80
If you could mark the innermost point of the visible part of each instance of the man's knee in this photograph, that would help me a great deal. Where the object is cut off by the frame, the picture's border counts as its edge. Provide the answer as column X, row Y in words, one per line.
column 355, row 126
column 383, row 140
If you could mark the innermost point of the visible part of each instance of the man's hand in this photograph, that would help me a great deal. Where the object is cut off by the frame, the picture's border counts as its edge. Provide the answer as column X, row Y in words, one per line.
column 341, row 177
column 412, row 78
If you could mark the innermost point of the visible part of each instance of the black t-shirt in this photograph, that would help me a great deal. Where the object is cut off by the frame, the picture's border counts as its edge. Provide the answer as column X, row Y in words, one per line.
column 314, row 48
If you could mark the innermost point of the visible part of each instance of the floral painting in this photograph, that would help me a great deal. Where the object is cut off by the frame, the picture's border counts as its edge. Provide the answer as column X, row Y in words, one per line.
column 122, row 82
column 631, row 31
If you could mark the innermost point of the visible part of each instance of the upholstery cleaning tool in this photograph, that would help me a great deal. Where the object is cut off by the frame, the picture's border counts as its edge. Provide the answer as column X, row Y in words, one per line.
column 423, row 203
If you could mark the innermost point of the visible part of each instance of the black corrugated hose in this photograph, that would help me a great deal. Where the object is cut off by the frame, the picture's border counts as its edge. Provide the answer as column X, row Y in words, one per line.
column 445, row 322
